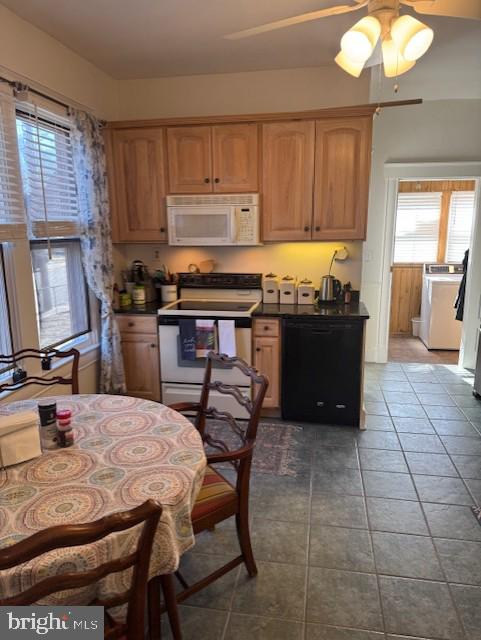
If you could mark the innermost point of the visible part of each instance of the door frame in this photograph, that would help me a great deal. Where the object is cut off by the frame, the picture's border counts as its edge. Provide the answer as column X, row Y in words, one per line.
column 393, row 173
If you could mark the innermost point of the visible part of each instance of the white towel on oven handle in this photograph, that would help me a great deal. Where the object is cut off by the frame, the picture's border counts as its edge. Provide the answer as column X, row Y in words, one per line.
column 227, row 344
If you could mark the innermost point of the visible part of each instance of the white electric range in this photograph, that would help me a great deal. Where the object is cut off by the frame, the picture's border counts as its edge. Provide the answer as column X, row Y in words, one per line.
column 216, row 296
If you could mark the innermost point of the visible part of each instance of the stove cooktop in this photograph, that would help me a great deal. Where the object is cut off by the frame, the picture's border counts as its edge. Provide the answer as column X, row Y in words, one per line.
column 209, row 308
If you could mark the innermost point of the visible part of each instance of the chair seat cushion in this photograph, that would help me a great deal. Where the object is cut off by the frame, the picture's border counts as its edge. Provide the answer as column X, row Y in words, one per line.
column 215, row 493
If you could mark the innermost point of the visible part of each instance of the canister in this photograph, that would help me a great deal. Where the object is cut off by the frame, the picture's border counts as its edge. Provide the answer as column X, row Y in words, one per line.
column 287, row 290
column 305, row 292
column 270, row 288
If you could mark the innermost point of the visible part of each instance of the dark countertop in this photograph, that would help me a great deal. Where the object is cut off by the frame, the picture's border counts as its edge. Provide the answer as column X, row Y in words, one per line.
column 354, row 311
column 147, row 309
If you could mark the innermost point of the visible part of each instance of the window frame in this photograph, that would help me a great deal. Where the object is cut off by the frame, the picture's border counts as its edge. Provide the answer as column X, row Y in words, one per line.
column 3, row 276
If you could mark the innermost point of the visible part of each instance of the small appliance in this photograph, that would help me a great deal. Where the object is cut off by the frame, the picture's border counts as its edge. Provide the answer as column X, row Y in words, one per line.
column 207, row 220
column 270, row 289
column 287, row 289
column 330, row 289
column 305, row 292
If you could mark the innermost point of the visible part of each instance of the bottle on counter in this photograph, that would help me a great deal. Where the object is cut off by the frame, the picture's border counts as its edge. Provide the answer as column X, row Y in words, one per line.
column 138, row 294
column 347, row 293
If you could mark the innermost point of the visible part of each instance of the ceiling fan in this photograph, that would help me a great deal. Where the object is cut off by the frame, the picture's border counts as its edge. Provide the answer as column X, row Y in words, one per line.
column 403, row 38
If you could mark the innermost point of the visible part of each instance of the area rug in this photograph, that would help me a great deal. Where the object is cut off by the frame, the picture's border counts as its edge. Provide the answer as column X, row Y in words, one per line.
column 477, row 513
column 276, row 451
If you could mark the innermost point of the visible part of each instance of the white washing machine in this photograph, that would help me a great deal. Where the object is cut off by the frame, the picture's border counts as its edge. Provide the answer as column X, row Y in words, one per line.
column 439, row 328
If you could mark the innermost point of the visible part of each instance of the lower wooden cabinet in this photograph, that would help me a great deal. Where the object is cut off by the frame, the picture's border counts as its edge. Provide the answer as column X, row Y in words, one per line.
column 267, row 357
column 140, row 350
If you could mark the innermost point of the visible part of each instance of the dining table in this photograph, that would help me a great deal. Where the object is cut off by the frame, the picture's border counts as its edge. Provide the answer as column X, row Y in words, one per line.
column 126, row 450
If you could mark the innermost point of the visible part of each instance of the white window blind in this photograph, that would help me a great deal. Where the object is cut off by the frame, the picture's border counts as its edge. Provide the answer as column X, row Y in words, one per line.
column 461, row 213
column 417, row 227
column 12, row 212
column 48, row 176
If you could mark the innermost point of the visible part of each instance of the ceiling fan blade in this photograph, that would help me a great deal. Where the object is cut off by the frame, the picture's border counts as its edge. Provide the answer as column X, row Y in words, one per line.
column 450, row 8
column 305, row 17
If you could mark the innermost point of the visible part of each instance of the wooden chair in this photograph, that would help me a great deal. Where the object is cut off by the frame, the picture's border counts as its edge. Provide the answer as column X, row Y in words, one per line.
column 218, row 499
column 79, row 534
column 45, row 356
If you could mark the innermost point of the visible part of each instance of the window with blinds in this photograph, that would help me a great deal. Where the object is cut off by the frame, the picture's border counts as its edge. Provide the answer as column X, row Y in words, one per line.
column 461, row 213
column 12, row 212
column 417, row 227
column 48, row 176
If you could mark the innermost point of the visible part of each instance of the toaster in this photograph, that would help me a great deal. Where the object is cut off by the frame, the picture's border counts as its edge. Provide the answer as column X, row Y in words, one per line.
column 287, row 290
column 305, row 292
column 270, row 288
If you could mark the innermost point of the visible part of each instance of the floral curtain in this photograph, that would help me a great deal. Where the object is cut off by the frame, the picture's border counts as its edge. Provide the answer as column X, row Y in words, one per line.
column 96, row 241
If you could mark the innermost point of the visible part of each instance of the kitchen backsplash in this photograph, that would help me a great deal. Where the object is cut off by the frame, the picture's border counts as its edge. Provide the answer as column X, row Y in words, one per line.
column 299, row 259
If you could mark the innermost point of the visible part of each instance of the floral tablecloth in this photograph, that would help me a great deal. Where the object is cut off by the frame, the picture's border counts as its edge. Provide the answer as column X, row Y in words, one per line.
column 126, row 451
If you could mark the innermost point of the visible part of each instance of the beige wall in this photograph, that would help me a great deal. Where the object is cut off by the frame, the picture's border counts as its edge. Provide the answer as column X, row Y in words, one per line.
column 299, row 259
column 249, row 92
column 28, row 54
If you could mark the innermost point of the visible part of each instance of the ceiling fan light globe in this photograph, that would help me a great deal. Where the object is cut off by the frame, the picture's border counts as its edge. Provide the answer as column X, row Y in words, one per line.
column 358, row 43
column 412, row 37
column 393, row 62
column 356, row 46
column 351, row 67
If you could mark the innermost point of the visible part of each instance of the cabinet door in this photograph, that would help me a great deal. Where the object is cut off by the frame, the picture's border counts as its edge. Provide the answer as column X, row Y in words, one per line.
column 135, row 163
column 141, row 364
column 267, row 361
column 343, row 160
column 235, row 158
column 190, row 166
column 287, row 180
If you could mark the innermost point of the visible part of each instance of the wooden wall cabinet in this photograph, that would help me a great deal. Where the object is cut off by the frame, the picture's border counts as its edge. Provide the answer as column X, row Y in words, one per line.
column 341, row 185
column 287, row 180
column 190, row 164
column 267, row 357
column 316, row 179
column 140, row 350
column 218, row 159
column 136, row 167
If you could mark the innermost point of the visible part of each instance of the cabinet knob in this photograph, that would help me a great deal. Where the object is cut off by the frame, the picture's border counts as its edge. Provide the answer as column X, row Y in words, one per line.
column 306, row 228
column 206, row 180
column 258, row 348
column 131, row 324
column 318, row 228
column 162, row 229
column 217, row 180
column 266, row 328
column 153, row 345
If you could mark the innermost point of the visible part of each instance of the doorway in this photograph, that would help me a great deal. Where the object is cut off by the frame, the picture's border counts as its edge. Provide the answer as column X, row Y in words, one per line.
column 432, row 231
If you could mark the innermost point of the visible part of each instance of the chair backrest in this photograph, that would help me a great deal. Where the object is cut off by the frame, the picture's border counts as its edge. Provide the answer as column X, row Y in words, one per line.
column 46, row 356
column 253, row 406
column 80, row 534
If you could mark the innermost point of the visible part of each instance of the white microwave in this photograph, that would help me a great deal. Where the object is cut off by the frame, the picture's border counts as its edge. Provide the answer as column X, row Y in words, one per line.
column 213, row 219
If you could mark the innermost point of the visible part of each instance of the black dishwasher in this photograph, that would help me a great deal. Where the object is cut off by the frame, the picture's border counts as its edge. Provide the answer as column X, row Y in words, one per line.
column 322, row 370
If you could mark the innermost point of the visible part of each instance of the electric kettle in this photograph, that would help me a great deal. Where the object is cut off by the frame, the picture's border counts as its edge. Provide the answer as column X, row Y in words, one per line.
column 330, row 289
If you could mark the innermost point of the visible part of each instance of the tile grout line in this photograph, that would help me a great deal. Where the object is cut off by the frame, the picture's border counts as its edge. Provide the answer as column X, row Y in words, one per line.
column 371, row 543
column 308, row 542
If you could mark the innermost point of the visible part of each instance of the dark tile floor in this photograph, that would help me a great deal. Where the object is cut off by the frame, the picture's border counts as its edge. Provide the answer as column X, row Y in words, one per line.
column 374, row 539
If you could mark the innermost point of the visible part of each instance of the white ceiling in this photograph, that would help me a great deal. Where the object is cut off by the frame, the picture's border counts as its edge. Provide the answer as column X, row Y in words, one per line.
column 152, row 38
